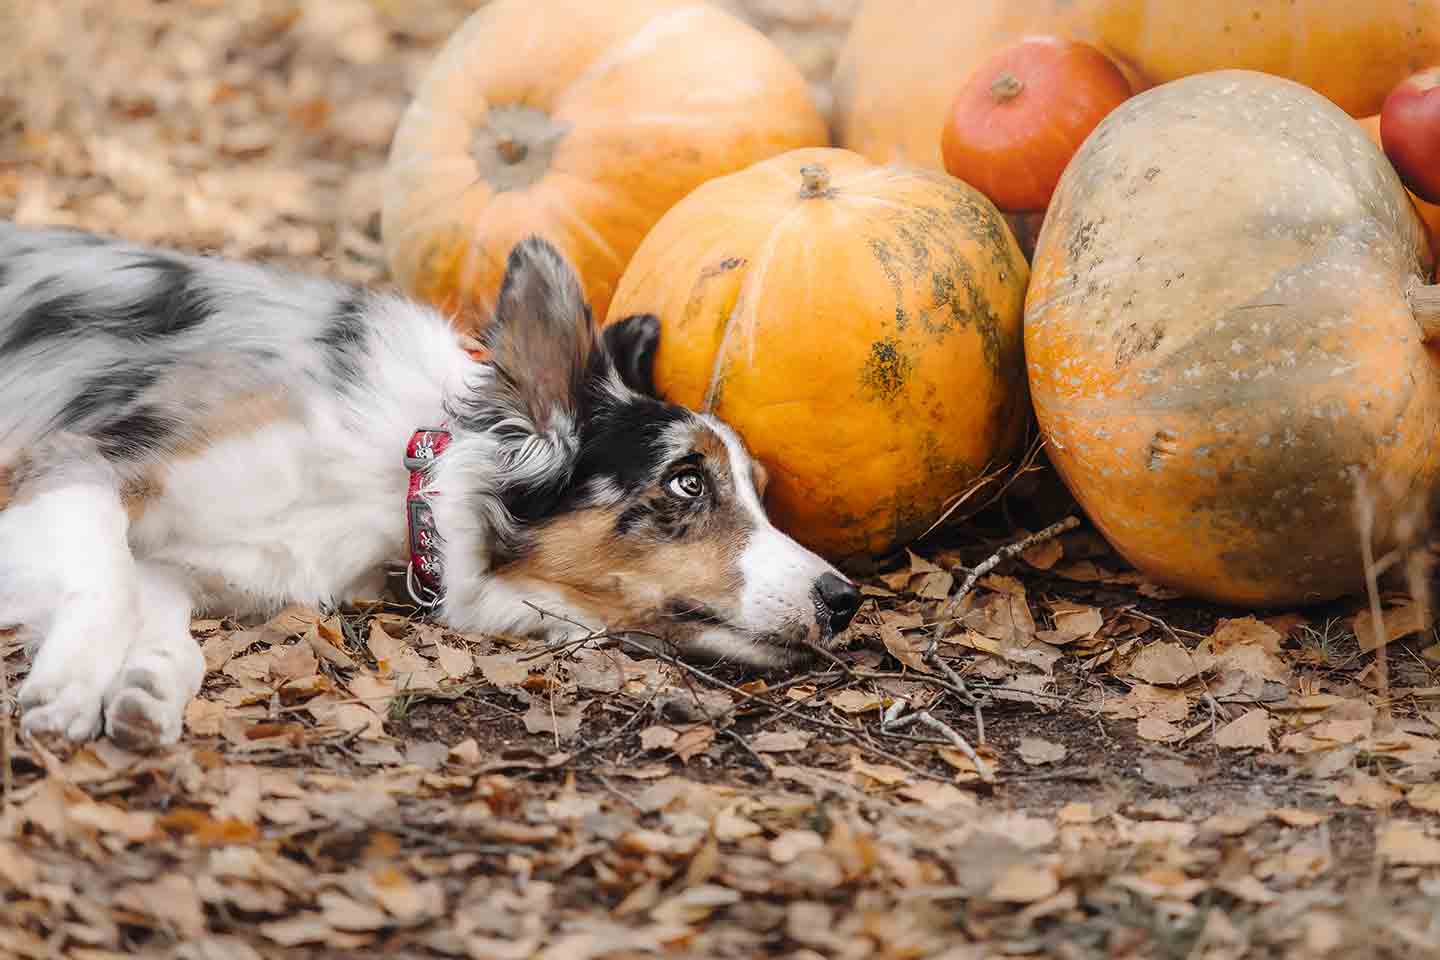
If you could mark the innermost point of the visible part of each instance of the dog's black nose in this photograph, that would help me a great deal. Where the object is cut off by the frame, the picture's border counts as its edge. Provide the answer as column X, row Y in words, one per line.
column 840, row 597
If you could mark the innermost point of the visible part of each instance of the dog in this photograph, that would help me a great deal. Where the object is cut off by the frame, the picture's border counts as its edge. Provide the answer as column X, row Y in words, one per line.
column 185, row 435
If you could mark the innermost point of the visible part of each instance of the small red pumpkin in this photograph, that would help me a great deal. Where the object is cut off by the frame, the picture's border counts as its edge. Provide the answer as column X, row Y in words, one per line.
column 1022, row 115
column 1410, row 132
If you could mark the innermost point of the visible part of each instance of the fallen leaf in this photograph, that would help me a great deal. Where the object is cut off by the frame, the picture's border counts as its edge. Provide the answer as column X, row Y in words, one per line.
column 204, row 717
column 1292, row 817
column 1424, row 796
column 503, row 669
column 789, row 844
column 693, row 739
column 938, row 796
column 562, row 720
column 1363, row 790
column 780, row 741
column 1158, row 730
column 1396, row 622
column 1406, row 842
column 885, row 774
column 1165, row 663
column 854, row 701
column 1249, row 730
column 658, row 738
column 172, row 899
column 457, row 662
column 908, row 649
column 1037, row 752
column 1025, row 883
column 1247, row 888
column 1168, row 772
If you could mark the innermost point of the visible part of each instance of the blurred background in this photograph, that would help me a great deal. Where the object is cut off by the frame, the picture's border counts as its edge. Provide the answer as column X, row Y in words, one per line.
column 257, row 128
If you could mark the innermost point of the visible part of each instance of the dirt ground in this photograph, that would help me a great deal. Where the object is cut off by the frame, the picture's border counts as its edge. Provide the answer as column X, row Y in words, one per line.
column 1099, row 770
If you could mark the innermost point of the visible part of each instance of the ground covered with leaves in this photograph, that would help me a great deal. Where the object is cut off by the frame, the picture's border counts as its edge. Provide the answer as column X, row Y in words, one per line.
column 1093, row 767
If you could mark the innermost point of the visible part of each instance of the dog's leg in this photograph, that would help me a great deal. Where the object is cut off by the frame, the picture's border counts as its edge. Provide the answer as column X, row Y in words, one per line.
column 145, row 707
column 67, row 576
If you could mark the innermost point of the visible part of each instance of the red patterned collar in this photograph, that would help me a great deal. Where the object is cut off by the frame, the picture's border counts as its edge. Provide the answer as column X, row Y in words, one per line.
column 425, row 571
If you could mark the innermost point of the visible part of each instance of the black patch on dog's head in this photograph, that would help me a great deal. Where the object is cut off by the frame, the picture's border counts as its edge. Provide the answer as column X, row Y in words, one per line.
column 630, row 345
column 47, row 317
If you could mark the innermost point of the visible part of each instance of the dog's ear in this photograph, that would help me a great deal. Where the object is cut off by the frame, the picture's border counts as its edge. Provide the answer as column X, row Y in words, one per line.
column 540, row 340
column 631, row 344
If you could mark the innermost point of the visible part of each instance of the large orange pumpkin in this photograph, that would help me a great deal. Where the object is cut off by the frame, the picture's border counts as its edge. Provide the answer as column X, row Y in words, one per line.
column 582, row 122
column 1221, row 337
column 858, row 325
column 904, row 59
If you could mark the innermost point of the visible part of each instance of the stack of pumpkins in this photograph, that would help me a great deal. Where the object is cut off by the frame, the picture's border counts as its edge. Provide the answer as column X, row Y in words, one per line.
column 1220, row 333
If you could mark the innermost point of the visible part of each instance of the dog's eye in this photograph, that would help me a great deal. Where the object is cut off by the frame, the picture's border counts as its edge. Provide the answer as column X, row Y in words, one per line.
column 688, row 484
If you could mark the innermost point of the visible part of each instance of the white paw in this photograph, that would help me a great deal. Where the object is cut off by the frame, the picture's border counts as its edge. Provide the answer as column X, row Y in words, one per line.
column 61, row 707
column 146, row 707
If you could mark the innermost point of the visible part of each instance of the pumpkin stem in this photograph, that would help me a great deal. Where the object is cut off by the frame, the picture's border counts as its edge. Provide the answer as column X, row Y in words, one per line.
column 814, row 180
column 1006, row 86
column 512, row 151
column 1425, row 302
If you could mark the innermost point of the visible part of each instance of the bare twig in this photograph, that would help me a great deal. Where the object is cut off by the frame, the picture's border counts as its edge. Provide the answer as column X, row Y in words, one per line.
column 927, row 719
column 1365, row 520
column 741, row 742
column 993, row 561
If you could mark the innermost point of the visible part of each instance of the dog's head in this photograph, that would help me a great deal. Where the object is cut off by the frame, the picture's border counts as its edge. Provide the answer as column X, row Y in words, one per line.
column 608, row 505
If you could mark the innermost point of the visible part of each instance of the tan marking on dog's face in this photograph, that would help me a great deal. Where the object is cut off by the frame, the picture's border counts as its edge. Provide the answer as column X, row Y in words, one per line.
column 657, row 559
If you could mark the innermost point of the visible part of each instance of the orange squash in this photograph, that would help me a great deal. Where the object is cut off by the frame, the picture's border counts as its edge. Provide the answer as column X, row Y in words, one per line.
column 858, row 325
column 1410, row 132
column 580, row 121
column 1023, row 113
column 904, row 59
column 1226, row 327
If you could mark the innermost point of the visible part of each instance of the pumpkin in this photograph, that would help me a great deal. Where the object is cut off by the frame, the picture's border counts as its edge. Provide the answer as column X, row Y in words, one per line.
column 1021, row 116
column 858, row 325
column 1410, row 133
column 1429, row 212
column 903, row 59
column 1225, row 329
column 582, row 122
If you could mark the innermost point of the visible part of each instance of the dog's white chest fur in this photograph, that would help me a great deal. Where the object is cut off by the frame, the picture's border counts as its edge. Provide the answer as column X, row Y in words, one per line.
column 287, row 511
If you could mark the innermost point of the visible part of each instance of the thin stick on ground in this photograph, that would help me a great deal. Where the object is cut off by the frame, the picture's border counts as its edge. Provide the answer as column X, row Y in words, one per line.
column 990, row 563
column 926, row 719
column 1365, row 520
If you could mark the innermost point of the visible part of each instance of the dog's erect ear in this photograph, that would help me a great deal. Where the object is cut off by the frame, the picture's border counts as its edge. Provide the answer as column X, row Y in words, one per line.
column 631, row 344
column 540, row 339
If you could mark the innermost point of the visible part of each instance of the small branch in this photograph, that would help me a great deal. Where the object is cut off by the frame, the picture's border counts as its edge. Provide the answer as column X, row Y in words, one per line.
column 1425, row 303
column 926, row 719
column 993, row 561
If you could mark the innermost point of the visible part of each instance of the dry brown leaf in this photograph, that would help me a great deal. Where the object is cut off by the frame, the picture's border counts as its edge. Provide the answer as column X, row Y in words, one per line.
column 790, row 844
column 1247, row 888
column 908, row 649
column 780, row 741
column 171, row 899
column 938, row 796
column 1037, row 752
column 1396, row 622
column 1249, row 730
column 1073, row 621
column 503, row 669
column 346, row 913
column 1363, row 790
column 1044, row 555
column 854, row 701
column 457, row 662
column 1157, row 730
column 1406, row 842
column 1424, row 796
column 560, row 719
column 1026, row 883
column 885, row 774
column 1293, row 817
column 1164, row 664
column 693, row 740
column 203, row 717
column 294, row 661
column 658, row 737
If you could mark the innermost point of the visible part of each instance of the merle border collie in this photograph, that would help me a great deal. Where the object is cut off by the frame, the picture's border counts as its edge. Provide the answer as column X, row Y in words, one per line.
column 182, row 434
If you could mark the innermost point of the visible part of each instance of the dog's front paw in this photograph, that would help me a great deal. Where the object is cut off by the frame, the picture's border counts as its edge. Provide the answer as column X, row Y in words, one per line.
column 61, row 707
column 146, row 708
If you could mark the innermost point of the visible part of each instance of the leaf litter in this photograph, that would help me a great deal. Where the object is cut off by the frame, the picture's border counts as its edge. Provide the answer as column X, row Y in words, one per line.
column 1164, row 778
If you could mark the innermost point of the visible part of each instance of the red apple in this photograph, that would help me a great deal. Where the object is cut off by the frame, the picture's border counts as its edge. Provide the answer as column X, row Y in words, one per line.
column 1410, row 132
